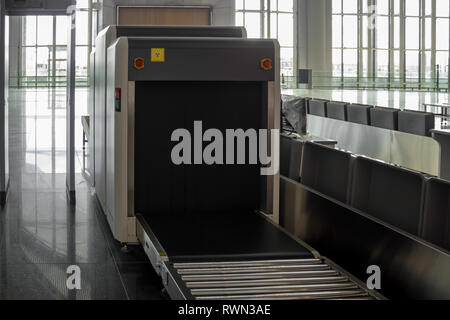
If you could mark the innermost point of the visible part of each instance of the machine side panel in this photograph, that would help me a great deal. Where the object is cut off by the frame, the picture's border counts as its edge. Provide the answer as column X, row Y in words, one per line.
column 117, row 140
column 91, row 112
column 273, row 122
column 101, row 63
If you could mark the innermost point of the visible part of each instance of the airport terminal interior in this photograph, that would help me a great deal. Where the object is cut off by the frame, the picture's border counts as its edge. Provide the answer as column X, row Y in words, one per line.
column 118, row 182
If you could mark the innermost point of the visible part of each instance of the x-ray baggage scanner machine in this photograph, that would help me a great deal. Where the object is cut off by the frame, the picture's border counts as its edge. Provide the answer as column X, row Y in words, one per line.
column 209, row 230
column 98, row 75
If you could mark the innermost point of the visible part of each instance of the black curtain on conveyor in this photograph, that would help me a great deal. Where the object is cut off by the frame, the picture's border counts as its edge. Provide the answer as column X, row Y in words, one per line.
column 202, row 210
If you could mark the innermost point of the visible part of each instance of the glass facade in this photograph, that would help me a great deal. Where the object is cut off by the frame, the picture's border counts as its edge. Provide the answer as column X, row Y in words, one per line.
column 391, row 43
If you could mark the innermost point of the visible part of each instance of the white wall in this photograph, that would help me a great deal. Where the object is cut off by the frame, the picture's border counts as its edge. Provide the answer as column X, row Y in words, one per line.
column 315, row 35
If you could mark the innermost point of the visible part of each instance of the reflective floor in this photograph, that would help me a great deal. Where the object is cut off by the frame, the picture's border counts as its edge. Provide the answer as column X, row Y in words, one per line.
column 41, row 234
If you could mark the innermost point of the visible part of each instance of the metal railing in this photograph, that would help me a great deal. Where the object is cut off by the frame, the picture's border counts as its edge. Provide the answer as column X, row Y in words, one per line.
column 407, row 81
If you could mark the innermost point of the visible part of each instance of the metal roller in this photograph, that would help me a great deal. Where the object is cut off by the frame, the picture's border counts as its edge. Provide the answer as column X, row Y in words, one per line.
column 277, row 289
column 292, row 296
column 244, row 263
column 265, row 275
column 280, row 268
column 268, row 282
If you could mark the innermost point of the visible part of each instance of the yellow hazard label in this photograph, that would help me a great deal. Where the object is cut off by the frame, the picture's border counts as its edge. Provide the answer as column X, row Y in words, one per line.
column 158, row 55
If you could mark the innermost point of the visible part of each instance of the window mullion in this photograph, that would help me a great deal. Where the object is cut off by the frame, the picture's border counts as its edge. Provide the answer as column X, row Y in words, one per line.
column 268, row 14
column 391, row 42
column 402, row 43
column 421, row 42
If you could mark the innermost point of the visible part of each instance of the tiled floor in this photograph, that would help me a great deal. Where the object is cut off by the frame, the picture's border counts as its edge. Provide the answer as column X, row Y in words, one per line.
column 41, row 234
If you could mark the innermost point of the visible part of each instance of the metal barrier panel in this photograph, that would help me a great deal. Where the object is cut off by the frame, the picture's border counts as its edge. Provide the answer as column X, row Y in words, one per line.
column 410, row 267
column 407, row 150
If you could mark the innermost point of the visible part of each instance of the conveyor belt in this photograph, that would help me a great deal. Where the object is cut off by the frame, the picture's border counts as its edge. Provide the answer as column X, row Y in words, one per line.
column 214, row 237
column 294, row 279
column 250, row 271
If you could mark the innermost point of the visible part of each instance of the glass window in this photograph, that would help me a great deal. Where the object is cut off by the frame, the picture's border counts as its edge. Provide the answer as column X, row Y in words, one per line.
column 428, row 7
column 255, row 15
column 29, row 35
column 382, row 30
column 427, row 30
column 396, row 32
column 286, row 5
column 29, row 61
column 337, row 6
column 442, row 63
column 45, row 37
column 82, row 59
column 252, row 5
column 61, row 30
column 286, row 26
column 43, row 61
column 396, row 7
column 428, row 65
column 365, row 63
column 365, row 32
column 442, row 34
column 412, row 33
column 412, row 8
column 382, row 63
column 239, row 4
column 383, row 7
column 350, row 6
column 253, row 24
column 44, row 54
column 82, row 28
column 337, row 31
column 350, row 62
column 396, row 64
column 442, row 8
column 350, row 24
column 380, row 50
column 411, row 64
column 337, row 62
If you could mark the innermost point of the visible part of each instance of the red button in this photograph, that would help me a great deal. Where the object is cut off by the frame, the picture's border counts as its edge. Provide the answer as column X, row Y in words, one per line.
column 139, row 63
column 266, row 64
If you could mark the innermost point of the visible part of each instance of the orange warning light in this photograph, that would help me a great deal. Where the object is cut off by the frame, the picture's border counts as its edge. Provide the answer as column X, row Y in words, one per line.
column 139, row 63
column 266, row 64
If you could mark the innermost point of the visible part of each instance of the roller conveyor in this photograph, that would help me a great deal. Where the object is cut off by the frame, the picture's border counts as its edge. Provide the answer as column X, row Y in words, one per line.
column 217, row 281
column 201, row 277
